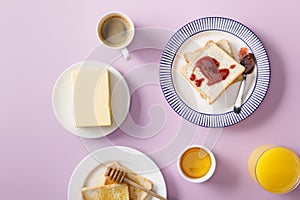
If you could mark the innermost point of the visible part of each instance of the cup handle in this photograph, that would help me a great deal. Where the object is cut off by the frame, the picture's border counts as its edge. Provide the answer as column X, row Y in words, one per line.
column 125, row 53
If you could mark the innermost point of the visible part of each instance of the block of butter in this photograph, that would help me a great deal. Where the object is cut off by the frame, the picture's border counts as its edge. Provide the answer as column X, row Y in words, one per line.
column 91, row 98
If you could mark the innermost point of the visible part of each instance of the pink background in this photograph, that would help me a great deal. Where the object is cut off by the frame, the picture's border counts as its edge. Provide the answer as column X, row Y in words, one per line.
column 40, row 39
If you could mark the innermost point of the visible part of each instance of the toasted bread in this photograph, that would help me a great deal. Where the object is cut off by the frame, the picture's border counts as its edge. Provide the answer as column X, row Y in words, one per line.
column 208, row 90
column 224, row 44
column 106, row 192
column 134, row 193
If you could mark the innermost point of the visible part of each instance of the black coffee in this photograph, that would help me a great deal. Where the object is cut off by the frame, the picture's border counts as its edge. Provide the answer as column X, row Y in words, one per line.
column 114, row 31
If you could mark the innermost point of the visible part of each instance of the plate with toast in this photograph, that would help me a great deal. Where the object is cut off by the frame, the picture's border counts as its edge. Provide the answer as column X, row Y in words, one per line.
column 202, row 67
column 88, row 181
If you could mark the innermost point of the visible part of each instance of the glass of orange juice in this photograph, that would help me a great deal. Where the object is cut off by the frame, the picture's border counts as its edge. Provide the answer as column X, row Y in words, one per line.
column 196, row 163
column 276, row 169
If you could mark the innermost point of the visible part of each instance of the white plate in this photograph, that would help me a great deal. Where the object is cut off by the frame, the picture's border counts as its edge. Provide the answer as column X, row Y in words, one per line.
column 89, row 171
column 185, row 100
column 62, row 100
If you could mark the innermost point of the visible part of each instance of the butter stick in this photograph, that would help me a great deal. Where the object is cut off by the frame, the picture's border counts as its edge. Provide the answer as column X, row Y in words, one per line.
column 91, row 89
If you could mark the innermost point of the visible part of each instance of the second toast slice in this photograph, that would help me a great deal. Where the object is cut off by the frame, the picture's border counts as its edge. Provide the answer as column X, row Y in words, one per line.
column 106, row 192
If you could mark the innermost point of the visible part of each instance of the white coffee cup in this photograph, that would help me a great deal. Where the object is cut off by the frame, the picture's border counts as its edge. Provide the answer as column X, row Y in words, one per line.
column 205, row 165
column 115, row 30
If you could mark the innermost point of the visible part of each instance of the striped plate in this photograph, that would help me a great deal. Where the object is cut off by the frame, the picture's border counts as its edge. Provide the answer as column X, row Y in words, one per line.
column 184, row 100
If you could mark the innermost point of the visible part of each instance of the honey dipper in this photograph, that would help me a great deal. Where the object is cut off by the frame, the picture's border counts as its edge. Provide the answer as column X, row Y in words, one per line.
column 118, row 176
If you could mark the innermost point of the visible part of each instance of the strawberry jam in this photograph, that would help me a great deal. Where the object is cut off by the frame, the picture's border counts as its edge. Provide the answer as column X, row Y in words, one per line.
column 209, row 68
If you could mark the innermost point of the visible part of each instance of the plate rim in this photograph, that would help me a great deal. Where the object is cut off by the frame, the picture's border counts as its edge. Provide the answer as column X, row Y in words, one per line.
column 125, row 148
column 63, row 74
column 168, row 52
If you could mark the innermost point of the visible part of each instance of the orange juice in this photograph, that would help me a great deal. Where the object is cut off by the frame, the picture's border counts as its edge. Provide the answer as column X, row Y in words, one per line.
column 195, row 162
column 276, row 169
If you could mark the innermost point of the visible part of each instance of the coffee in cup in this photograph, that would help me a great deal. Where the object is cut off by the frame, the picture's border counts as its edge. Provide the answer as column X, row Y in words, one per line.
column 116, row 31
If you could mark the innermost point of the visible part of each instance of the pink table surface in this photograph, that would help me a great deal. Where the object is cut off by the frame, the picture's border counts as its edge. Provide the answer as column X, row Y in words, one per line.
column 40, row 39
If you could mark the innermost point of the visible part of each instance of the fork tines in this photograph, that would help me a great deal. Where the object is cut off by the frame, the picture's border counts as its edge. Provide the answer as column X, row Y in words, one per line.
column 115, row 175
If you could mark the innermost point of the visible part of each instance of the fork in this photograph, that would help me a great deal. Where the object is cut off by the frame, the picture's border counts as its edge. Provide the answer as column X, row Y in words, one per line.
column 118, row 176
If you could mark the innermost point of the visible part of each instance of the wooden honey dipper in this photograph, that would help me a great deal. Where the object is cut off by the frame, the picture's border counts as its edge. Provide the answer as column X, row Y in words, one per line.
column 118, row 176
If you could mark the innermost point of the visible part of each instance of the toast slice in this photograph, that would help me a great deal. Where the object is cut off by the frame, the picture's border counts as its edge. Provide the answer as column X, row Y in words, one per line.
column 213, row 71
column 224, row 44
column 106, row 192
column 134, row 193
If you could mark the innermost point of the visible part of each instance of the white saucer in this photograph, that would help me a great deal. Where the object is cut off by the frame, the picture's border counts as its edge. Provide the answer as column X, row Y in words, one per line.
column 62, row 100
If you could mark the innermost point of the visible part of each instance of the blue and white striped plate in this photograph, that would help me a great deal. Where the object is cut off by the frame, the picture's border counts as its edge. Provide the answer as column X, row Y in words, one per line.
column 184, row 100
